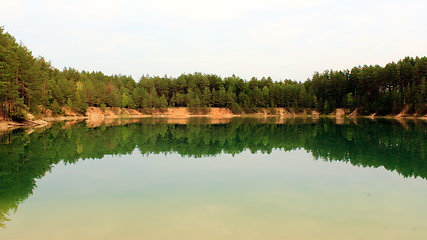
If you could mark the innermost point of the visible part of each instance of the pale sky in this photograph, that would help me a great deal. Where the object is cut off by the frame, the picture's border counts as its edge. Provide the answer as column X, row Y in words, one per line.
column 281, row 39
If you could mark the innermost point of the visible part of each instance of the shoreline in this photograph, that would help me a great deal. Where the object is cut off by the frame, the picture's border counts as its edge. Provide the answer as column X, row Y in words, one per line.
column 96, row 116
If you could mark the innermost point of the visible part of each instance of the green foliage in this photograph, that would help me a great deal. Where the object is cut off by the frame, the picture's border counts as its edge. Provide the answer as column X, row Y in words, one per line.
column 124, row 100
column 69, row 103
column 56, row 109
column 236, row 109
column 326, row 107
column 350, row 100
column 80, row 104
column 272, row 111
column 18, row 115
column 162, row 103
column 103, row 107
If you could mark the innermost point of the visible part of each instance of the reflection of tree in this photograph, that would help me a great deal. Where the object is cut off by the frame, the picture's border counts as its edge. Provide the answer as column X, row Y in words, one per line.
column 17, row 172
column 25, row 157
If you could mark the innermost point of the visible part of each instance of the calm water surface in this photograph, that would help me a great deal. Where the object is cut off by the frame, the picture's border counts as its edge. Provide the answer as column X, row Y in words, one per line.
column 245, row 179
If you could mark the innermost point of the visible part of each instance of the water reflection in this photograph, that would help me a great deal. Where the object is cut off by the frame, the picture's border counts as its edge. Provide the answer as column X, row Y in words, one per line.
column 25, row 156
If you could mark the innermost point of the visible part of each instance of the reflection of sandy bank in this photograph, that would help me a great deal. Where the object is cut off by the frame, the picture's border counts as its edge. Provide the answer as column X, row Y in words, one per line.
column 403, row 122
column 204, row 120
column 220, row 120
column 70, row 123
column 95, row 122
column 177, row 120
column 289, row 120
column 340, row 120
column 91, row 122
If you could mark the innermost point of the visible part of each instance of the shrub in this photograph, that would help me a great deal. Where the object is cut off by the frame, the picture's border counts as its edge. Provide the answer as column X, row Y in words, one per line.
column 272, row 111
column 18, row 115
column 103, row 107
column 56, row 109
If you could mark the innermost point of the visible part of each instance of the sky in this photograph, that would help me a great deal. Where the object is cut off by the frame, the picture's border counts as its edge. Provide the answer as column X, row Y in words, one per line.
column 277, row 38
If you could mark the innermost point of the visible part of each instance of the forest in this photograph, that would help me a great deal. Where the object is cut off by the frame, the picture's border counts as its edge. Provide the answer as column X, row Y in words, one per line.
column 33, row 84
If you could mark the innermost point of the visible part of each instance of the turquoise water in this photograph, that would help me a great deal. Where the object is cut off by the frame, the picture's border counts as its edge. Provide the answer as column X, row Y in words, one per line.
column 302, row 179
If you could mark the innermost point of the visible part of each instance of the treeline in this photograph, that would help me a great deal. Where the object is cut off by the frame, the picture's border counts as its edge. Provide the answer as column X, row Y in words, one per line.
column 32, row 83
column 373, row 89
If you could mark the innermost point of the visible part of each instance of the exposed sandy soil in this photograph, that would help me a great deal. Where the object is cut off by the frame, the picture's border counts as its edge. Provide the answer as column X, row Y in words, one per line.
column 339, row 112
column 403, row 112
column 354, row 113
column 182, row 112
column 4, row 126
column 220, row 112
column 177, row 112
column 186, row 120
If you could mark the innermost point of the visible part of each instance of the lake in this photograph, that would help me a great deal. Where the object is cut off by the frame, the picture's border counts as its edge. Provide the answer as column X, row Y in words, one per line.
column 201, row 178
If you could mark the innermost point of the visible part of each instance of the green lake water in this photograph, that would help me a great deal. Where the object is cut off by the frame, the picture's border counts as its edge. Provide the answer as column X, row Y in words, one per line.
column 239, row 179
